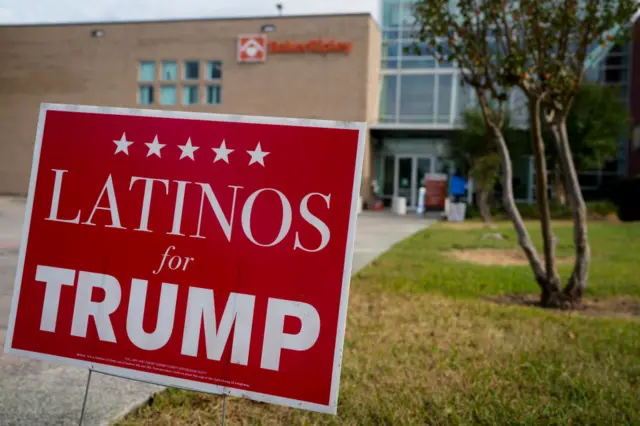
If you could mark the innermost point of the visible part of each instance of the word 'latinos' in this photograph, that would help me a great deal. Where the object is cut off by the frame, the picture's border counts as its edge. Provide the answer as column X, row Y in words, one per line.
column 106, row 200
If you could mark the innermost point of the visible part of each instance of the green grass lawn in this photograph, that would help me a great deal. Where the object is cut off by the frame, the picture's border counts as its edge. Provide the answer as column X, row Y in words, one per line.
column 420, row 264
column 423, row 347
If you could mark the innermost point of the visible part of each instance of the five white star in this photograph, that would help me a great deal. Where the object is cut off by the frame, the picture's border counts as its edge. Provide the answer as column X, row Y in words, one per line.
column 222, row 153
column 188, row 150
column 257, row 155
column 122, row 145
column 154, row 147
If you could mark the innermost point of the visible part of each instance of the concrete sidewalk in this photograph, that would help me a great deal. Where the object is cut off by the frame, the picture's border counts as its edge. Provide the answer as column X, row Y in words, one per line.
column 38, row 393
column 11, row 217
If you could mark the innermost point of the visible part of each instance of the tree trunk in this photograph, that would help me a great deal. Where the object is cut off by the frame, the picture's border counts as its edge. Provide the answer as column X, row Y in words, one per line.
column 558, row 186
column 551, row 288
column 512, row 210
column 524, row 239
column 483, row 206
column 579, row 277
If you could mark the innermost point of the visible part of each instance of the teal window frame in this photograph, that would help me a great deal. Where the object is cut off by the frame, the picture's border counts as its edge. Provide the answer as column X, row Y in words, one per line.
column 147, row 71
column 213, row 96
column 169, row 71
column 186, row 94
column 185, row 68
column 145, row 94
column 168, row 94
column 214, row 66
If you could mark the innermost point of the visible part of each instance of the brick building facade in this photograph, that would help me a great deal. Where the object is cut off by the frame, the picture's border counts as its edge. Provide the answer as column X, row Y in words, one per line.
column 188, row 65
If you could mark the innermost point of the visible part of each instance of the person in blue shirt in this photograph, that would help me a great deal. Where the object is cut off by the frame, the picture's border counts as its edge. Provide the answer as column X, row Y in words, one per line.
column 457, row 187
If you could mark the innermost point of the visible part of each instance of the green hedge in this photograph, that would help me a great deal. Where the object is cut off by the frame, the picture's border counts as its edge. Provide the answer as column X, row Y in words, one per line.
column 596, row 210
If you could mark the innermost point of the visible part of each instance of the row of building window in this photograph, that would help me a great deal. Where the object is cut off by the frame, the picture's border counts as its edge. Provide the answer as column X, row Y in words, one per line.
column 434, row 98
column 417, row 98
column 191, row 71
column 149, row 82
column 169, row 95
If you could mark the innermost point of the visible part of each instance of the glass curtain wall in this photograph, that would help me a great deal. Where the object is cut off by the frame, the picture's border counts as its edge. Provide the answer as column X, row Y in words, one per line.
column 415, row 88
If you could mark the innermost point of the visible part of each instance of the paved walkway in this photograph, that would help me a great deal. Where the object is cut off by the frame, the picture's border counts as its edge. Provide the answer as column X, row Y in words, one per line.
column 38, row 393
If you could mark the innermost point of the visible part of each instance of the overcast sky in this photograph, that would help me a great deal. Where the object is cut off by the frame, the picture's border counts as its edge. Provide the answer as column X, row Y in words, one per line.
column 38, row 11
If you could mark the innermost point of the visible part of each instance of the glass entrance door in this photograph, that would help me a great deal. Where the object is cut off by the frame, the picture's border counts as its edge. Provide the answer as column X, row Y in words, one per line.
column 410, row 171
column 404, row 180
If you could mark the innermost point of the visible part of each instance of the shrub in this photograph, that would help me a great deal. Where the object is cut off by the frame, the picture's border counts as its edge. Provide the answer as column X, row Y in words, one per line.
column 596, row 210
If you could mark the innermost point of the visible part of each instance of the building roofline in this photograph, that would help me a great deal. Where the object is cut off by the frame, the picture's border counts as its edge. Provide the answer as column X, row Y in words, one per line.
column 179, row 20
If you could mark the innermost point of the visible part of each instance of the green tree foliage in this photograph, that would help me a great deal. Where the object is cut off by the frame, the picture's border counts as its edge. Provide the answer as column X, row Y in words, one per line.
column 474, row 151
column 475, row 141
column 597, row 121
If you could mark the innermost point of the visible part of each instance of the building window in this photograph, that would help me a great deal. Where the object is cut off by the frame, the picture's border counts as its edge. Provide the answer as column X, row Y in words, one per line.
column 168, row 95
column 169, row 70
column 390, row 13
column 391, row 50
column 147, row 71
column 191, row 70
column 445, row 94
column 388, row 99
column 388, row 175
column 214, row 70
column 145, row 95
column 417, row 98
column 190, row 95
column 466, row 99
column 213, row 95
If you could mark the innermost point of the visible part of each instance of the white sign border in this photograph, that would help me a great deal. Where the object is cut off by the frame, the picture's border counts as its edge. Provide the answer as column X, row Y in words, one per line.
column 169, row 381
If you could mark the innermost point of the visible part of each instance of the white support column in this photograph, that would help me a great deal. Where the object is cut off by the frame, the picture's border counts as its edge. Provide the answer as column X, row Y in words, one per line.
column 398, row 100
column 531, row 180
column 454, row 98
column 436, row 97
column 399, row 64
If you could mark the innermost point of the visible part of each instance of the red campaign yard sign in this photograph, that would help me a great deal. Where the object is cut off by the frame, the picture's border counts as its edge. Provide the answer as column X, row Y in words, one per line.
column 201, row 251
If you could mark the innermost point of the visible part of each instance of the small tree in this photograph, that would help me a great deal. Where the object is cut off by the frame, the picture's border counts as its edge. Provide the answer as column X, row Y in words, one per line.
column 541, row 47
column 462, row 34
column 551, row 43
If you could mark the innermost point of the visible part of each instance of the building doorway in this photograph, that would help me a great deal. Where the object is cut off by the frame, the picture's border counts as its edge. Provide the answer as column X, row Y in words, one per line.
column 409, row 173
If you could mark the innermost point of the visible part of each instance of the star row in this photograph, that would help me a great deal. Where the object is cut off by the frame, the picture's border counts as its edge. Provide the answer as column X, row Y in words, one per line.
column 188, row 150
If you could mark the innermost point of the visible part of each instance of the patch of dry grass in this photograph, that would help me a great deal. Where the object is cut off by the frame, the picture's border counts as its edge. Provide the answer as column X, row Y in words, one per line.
column 461, row 226
column 500, row 224
column 624, row 306
column 495, row 257
column 423, row 359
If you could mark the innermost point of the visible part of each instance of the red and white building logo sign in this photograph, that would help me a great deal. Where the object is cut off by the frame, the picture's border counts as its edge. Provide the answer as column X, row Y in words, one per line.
column 252, row 48
column 196, row 250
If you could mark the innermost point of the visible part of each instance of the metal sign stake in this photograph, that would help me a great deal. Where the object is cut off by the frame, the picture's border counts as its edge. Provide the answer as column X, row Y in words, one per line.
column 224, row 408
column 86, row 393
